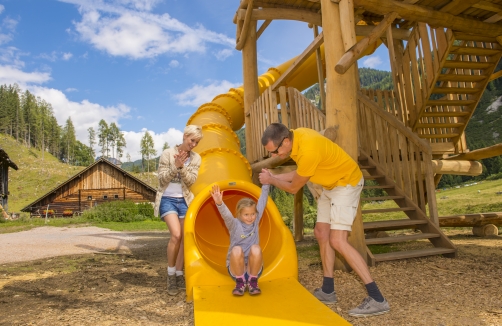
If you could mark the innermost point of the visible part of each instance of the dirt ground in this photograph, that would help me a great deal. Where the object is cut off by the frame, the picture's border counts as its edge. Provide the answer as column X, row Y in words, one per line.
column 127, row 286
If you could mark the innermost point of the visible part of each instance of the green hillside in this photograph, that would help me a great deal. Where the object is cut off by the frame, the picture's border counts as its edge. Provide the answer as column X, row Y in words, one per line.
column 37, row 173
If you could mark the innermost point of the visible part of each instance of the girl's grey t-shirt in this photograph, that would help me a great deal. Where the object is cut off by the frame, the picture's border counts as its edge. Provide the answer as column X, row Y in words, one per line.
column 242, row 234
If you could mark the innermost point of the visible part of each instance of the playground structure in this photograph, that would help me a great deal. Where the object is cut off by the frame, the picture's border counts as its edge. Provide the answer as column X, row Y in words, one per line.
column 442, row 53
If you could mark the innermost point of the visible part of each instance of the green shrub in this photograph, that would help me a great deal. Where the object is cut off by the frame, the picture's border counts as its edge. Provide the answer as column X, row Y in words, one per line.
column 119, row 211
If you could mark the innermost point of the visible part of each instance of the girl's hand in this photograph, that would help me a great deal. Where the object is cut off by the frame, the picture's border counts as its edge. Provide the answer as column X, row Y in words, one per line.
column 217, row 195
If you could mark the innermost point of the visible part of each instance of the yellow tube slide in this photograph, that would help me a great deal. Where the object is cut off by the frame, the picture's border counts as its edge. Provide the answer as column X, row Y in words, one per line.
column 206, row 237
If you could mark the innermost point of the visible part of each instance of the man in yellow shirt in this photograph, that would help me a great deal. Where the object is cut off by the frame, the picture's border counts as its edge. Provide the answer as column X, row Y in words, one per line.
column 323, row 162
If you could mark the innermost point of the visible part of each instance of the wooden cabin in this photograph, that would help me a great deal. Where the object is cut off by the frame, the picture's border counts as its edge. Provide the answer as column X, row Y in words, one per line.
column 101, row 182
column 5, row 164
column 442, row 55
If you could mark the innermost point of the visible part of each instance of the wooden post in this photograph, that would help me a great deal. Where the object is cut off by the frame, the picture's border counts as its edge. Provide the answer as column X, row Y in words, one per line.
column 342, row 114
column 298, row 216
column 250, row 76
column 320, row 73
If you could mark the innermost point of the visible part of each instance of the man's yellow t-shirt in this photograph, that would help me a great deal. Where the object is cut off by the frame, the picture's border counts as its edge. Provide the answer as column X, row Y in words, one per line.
column 322, row 160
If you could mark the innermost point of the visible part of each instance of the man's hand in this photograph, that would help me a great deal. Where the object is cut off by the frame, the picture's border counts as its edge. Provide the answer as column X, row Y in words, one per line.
column 217, row 195
column 265, row 177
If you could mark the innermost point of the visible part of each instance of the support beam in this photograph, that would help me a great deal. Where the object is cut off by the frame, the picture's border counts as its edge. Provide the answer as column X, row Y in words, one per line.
column 262, row 28
column 299, row 61
column 431, row 17
column 311, row 18
column 496, row 75
column 479, row 154
column 250, row 78
column 298, row 215
column 354, row 52
column 320, row 73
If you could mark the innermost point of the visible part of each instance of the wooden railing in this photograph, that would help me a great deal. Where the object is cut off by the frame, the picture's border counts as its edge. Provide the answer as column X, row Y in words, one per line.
column 286, row 105
column 386, row 100
column 405, row 158
column 422, row 59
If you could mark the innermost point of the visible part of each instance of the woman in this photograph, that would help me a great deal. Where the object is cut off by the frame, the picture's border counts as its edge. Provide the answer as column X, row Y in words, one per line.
column 178, row 170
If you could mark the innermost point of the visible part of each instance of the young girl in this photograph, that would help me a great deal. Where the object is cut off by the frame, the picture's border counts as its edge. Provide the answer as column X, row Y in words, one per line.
column 244, row 258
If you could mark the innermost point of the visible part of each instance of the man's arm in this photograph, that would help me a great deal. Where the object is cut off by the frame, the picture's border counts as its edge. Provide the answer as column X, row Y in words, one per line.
column 290, row 182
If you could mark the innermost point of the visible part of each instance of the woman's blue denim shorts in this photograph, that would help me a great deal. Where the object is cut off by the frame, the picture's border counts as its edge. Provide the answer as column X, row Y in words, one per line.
column 173, row 205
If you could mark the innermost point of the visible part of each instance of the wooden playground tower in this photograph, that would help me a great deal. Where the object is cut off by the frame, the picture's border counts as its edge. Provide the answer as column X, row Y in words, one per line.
column 442, row 55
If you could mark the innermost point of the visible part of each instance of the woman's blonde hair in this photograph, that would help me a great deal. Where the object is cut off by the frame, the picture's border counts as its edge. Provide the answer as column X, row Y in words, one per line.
column 193, row 130
column 243, row 203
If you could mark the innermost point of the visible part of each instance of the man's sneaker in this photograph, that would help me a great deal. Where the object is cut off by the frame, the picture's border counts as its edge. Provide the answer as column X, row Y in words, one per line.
column 370, row 307
column 240, row 286
column 180, row 282
column 253, row 286
column 325, row 297
column 172, row 287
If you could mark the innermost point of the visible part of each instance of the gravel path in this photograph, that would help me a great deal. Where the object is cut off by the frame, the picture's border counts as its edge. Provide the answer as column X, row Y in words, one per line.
column 49, row 241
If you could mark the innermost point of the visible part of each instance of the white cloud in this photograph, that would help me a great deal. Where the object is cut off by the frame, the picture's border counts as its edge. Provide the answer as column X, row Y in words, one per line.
column 126, row 28
column 84, row 114
column 372, row 62
column 67, row 56
column 49, row 56
column 223, row 54
column 133, row 139
column 199, row 94
column 11, row 75
column 7, row 28
column 70, row 89
column 174, row 64
column 11, row 56
column 2, row 8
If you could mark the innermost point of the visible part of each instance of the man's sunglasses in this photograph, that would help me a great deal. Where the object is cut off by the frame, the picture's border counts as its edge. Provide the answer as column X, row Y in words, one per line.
column 277, row 149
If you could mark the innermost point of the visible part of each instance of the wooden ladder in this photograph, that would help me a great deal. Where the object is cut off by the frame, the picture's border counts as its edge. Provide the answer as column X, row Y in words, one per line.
column 419, row 226
column 456, row 91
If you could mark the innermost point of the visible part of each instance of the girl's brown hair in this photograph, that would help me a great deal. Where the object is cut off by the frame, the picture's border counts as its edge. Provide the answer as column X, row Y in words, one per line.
column 243, row 203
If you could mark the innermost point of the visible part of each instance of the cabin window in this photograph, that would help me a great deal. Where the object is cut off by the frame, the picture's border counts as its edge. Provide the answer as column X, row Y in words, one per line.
column 89, row 197
column 105, row 197
column 116, row 196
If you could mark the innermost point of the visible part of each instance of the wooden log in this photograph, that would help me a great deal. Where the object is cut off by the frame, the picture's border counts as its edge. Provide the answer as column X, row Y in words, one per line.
column 479, row 154
column 298, row 215
column 355, row 51
column 457, row 167
column 250, row 77
column 479, row 219
column 431, row 17
column 320, row 73
column 485, row 230
column 262, row 28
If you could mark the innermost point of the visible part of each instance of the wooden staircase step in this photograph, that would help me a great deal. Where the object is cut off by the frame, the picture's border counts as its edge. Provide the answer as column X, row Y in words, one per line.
column 393, row 225
column 439, row 125
column 446, row 114
column 412, row 254
column 461, row 78
column 373, row 177
column 381, row 198
column 367, row 167
column 467, row 64
column 388, row 210
column 438, row 135
column 401, row 238
column 455, row 90
column 379, row 187
column 450, row 102
column 473, row 50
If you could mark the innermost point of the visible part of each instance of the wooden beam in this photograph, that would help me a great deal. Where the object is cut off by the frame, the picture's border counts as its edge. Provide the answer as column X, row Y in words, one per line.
column 320, row 73
column 242, row 37
column 496, row 75
column 262, row 28
column 485, row 5
column 479, row 154
column 431, row 17
column 299, row 61
column 354, row 52
column 455, row 7
column 471, row 219
column 397, row 33
column 457, row 167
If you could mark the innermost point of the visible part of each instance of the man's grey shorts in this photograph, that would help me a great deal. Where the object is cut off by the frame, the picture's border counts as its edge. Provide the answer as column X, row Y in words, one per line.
column 338, row 206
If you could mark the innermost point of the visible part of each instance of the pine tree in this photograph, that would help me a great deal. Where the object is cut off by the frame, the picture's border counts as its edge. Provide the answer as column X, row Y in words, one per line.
column 92, row 141
column 147, row 149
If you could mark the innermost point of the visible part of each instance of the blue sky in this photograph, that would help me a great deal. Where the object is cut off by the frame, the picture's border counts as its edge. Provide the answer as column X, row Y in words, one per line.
column 143, row 64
